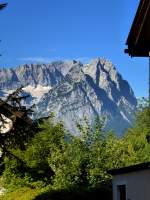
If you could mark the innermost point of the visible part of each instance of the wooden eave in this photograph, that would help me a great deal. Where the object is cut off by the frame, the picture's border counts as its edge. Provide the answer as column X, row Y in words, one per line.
column 130, row 169
column 138, row 41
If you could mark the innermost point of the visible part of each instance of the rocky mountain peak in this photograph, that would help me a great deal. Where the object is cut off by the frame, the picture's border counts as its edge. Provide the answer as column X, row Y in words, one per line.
column 101, row 65
column 73, row 90
column 76, row 73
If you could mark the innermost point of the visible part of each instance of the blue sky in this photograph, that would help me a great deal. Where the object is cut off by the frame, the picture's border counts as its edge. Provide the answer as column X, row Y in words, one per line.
column 42, row 31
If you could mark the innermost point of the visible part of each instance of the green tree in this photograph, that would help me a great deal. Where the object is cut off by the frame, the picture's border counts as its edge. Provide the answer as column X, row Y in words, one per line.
column 136, row 137
column 56, row 158
column 32, row 163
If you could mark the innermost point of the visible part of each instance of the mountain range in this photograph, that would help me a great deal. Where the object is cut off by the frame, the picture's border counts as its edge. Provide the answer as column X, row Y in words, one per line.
column 74, row 91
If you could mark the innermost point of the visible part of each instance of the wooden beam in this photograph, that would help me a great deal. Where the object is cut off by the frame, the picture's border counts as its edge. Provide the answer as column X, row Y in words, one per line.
column 139, row 36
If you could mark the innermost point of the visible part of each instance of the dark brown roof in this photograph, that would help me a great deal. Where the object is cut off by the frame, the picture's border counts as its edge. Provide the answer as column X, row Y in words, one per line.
column 132, row 168
column 139, row 37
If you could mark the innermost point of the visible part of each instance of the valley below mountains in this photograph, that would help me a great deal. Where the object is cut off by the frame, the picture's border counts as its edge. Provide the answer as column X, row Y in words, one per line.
column 74, row 91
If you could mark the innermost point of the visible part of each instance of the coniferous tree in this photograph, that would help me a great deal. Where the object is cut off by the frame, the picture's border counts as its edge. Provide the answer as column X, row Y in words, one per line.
column 3, row 6
column 15, row 123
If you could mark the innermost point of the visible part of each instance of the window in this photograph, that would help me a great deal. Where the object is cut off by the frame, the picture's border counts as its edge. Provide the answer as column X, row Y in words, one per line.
column 121, row 192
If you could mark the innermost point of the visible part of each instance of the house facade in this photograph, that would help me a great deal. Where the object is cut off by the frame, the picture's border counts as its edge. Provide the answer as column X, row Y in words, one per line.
column 132, row 183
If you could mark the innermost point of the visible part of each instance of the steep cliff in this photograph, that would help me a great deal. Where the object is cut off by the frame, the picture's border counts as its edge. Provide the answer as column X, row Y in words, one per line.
column 73, row 91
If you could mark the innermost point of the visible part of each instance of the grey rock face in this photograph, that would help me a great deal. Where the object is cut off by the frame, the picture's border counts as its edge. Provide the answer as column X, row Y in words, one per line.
column 8, row 79
column 34, row 74
column 74, row 91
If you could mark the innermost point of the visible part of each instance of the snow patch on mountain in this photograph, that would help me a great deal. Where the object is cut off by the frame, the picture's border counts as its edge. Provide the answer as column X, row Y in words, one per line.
column 37, row 91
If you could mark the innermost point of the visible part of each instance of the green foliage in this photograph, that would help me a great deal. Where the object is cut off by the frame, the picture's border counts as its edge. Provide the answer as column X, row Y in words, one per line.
column 24, row 193
column 135, row 138
column 55, row 159
column 32, row 163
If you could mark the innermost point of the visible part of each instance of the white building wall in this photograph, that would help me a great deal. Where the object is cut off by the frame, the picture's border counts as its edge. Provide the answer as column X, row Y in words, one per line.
column 137, row 185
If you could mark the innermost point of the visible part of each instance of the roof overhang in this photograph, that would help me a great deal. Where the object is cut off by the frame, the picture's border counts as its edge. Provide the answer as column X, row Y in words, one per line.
column 130, row 169
column 138, row 41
